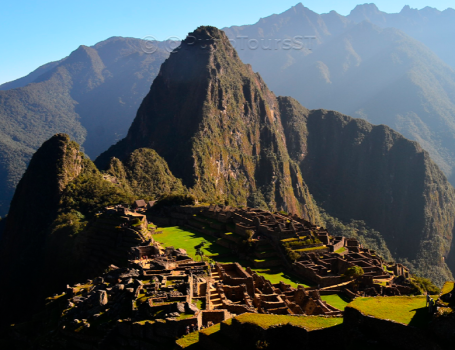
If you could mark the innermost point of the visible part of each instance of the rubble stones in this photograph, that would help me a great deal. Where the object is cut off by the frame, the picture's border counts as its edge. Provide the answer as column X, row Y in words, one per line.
column 179, row 307
column 118, row 287
column 181, row 251
column 190, row 308
column 130, row 273
column 102, row 297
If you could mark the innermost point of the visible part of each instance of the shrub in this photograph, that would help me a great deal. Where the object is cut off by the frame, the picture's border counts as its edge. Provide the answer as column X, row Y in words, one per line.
column 292, row 255
column 425, row 285
column 354, row 272
column 176, row 199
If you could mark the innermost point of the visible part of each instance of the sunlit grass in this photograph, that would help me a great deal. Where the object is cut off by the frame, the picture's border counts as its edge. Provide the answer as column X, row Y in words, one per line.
column 336, row 300
column 409, row 310
column 308, row 322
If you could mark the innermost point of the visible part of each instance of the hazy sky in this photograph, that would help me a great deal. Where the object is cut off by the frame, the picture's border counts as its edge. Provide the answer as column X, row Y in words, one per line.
column 35, row 32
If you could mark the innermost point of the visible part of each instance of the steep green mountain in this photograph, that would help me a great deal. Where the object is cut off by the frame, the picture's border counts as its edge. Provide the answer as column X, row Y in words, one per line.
column 60, row 191
column 229, row 138
column 145, row 174
column 381, row 75
column 92, row 95
column 359, row 171
column 219, row 129
column 31, row 77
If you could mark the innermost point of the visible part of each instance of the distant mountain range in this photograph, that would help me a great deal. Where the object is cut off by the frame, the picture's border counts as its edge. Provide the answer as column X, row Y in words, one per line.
column 355, row 67
column 432, row 27
column 92, row 95
column 385, row 76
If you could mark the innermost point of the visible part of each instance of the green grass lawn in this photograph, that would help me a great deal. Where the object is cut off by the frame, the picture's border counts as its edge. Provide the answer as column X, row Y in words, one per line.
column 310, row 249
column 277, row 276
column 336, row 300
column 409, row 310
column 180, row 237
column 308, row 322
column 341, row 250
column 448, row 287
column 188, row 340
column 188, row 239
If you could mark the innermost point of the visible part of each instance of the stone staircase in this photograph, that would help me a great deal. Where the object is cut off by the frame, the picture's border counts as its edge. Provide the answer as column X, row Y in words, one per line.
column 215, row 297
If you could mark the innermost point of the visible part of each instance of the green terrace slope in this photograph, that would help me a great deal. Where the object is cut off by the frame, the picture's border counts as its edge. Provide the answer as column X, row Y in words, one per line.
column 249, row 331
column 408, row 310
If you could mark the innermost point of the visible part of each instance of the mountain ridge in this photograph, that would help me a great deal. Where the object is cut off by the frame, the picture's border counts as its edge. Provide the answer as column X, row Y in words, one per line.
column 91, row 95
column 378, row 74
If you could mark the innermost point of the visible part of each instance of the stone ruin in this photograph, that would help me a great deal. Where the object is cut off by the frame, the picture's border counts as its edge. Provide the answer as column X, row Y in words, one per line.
column 242, row 290
column 321, row 259
column 165, row 293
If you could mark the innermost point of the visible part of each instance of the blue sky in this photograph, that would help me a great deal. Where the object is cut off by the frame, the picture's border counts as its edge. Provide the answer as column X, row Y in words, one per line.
column 35, row 32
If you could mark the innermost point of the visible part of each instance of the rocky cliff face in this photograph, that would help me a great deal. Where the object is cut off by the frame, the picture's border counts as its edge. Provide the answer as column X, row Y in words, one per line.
column 219, row 128
column 359, row 171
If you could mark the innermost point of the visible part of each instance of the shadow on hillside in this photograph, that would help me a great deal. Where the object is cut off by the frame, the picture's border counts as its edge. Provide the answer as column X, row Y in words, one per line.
column 421, row 318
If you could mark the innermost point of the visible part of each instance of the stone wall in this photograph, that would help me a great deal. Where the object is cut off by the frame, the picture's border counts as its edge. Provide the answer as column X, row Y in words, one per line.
column 386, row 333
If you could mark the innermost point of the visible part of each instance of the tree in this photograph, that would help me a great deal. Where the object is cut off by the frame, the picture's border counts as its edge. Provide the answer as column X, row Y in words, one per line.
column 199, row 251
column 354, row 272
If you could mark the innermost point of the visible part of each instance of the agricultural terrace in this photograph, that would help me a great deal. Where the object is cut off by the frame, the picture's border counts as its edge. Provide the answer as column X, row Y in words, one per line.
column 408, row 310
column 308, row 322
column 187, row 239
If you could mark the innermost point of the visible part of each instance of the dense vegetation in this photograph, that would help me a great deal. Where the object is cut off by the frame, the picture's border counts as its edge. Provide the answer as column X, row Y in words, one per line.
column 146, row 175
column 357, row 229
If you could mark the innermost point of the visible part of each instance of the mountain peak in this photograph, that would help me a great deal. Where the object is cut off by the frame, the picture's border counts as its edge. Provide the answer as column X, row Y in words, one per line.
column 206, row 39
column 407, row 9
column 366, row 8
column 207, row 32
column 216, row 124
